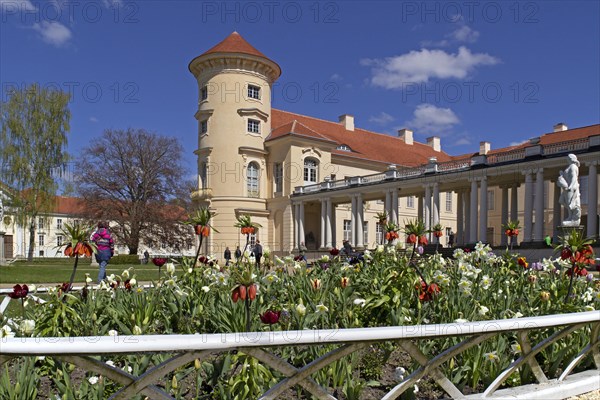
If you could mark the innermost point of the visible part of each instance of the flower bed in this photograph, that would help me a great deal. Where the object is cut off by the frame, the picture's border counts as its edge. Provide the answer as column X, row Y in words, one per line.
column 385, row 288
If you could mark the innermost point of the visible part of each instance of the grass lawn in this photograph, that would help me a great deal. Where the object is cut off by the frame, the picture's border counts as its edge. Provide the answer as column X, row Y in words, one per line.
column 60, row 271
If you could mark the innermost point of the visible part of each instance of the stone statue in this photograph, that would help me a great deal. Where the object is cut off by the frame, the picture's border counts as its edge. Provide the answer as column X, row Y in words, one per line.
column 570, row 196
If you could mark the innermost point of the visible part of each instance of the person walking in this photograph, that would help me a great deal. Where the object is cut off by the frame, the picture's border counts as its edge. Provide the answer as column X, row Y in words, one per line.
column 106, row 248
column 238, row 253
column 258, row 252
column 227, row 256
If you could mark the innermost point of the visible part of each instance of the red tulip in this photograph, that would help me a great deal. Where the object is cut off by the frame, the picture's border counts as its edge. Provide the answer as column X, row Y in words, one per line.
column 423, row 240
column 159, row 261
column 412, row 239
column 235, row 295
column 252, row 292
column 19, row 292
column 243, row 291
column 270, row 317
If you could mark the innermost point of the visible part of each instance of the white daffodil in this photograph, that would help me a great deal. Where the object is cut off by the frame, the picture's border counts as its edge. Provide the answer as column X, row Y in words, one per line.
column 133, row 282
column 399, row 373
column 301, row 309
column 516, row 348
column 27, row 326
column 113, row 332
column 93, row 380
column 32, row 288
column 205, row 289
column 321, row 308
column 379, row 249
column 492, row 357
column 360, row 302
column 110, row 363
column 125, row 274
column 6, row 331
column 486, row 282
column 589, row 308
column 279, row 262
column 137, row 330
column 170, row 268
column 88, row 280
column 483, row 310
column 324, row 258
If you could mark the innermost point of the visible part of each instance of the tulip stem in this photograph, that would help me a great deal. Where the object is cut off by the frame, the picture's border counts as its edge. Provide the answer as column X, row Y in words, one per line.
column 411, row 262
column 247, row 304
column 197, row 251
column 570, row 284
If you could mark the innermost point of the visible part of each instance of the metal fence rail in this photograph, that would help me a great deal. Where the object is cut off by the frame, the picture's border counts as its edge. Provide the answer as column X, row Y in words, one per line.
column 187, row 348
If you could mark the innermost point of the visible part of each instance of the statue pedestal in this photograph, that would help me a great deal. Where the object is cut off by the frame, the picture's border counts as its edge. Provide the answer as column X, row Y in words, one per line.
column 566, row 231
column 2, row 258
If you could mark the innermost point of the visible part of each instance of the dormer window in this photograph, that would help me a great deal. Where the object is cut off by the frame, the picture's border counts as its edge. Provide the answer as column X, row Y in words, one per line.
column 204, row 93
column 204, row 126
column 254, row 92
column 344, row 147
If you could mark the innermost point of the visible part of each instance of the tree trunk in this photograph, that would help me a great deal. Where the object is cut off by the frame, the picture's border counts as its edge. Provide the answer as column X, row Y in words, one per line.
column 31, row 239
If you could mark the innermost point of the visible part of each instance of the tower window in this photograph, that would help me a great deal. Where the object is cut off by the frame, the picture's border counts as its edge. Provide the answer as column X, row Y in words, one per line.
column 252, row 179
column 204, row 93
column 310, row 171
column 253, row 126
column 278, row 177
column 204, row 126
column 254, row 92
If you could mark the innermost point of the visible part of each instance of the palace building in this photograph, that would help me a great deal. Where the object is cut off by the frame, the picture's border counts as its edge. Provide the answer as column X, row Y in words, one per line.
column 304, row 179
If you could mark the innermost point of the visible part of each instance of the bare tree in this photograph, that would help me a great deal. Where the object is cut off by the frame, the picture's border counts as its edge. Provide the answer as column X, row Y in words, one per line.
column 136, row 179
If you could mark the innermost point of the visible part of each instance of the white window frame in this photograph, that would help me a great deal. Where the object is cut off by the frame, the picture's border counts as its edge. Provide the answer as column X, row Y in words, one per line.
column 41, row 240
column 254, row 92
column 40, row 223
column 448, row 201
column 278, row 177
column 310, row 171
column 59, row 240
column 59, row 223
column 253, row 126
column 491, row 200
column 253, row 179
column 410, row 201
column 347, row 228
column 366, row 233
column 379, row 232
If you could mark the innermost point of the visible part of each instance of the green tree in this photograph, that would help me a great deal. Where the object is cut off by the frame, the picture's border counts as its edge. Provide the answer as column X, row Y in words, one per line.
column 33, row 140
column 136, row 180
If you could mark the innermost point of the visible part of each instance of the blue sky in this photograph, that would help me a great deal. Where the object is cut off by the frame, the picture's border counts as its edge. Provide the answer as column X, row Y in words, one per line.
column 498, row 71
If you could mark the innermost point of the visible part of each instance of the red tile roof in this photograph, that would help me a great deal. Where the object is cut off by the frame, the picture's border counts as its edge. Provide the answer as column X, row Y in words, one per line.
column 69, row 205
column 235, row 43
column 366, row 145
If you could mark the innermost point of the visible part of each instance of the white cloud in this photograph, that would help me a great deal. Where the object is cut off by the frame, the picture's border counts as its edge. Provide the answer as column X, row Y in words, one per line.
column 420, row 66
column 336, row 77
column 93, row 119
column 112, row 3
column 381, row 119
column 465, row 34
column 429, row 119
column 518, row 143
column 53, row 32
column 462, row 141
column 11, row 6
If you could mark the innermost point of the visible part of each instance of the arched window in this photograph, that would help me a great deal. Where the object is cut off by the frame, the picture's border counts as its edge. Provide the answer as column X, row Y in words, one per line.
column 310, row 171
column 203, row 175
column 252, row 175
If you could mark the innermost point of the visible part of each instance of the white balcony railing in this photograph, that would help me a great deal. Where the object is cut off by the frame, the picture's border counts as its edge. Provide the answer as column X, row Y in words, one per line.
column 187, row 348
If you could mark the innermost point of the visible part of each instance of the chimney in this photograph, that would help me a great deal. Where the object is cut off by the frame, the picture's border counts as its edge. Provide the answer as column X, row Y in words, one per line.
column 434, row 142
column 348, row 121
column 406, row 135
column 484, row 148
column 560, row 127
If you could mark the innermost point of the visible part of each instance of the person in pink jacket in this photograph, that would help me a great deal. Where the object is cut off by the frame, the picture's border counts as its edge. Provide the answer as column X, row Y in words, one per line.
column 106, row 248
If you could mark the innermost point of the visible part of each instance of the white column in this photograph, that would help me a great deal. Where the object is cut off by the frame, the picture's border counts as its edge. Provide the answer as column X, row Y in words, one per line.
column 527, row 220
column 328, row 224
column 538, row 232
column 504, row 215
column 394, row 215
column 473, row 212
column 460, row 217
column 483, row 210
column 556, row 213
column 296, row 225
column 388, row 203
column 301, row 224
column 514, row 209
column 427, row 210
column 353, row 221
column 592, row 218
column 323, row 223
column 467, row 214
column 360, row 222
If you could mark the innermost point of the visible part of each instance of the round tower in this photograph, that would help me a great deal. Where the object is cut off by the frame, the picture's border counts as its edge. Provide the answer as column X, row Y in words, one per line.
column 234, row 109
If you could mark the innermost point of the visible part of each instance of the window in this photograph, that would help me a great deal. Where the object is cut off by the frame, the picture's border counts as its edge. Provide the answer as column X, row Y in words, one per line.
column 410, row 202
column 204, row 93
column 491, row 200
column 310, row 171
column 251, row 241
column 59, row 240
column 254, row 92
column 379, row 233
column 365, row 232
column 59, row 224
column 278, row 177
column 40, row 223
column 253, row 126
column 344, row 147
column 204, row 126
column 41, row 253
column 448, row 201
column 332, row 177
column 252, row 179
column 41, row 240
column 347, row 230
column 203, row 175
